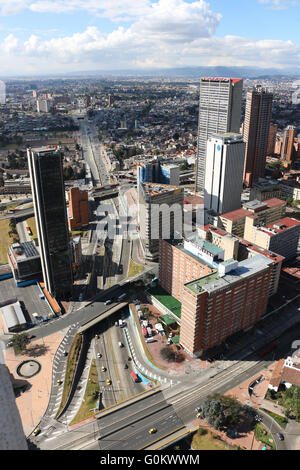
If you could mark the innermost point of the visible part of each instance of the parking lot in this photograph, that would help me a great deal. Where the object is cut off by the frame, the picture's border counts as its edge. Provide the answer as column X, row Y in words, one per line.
column 29, row 295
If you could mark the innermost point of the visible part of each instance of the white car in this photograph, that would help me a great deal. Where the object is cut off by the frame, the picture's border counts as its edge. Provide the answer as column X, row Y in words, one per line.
column 99, row 355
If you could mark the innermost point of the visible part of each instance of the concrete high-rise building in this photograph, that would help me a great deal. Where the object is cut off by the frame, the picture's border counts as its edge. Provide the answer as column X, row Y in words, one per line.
column 256, row 133
column 46, row 175
column 288, row 149
column 219, row 111
column 43, row 105
column 78, row 208
column 224, row 172
column 160, row 211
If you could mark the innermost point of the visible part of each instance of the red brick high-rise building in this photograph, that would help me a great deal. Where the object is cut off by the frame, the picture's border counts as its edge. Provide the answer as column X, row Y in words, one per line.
column 256, row 133
column 288, row 148
column 78, row 208
column 219, row 295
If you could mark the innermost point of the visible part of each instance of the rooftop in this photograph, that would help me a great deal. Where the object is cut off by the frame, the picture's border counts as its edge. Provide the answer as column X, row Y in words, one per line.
column 23, row 251
column 213, row 282
column 154, row 189
column 237, row 214
column 280, row 226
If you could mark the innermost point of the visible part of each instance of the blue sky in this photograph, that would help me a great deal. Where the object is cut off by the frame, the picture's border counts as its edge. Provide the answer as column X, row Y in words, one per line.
column 41, row 36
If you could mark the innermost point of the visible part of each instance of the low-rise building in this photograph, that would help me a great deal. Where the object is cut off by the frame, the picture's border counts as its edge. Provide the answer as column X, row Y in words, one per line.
column 282, row 236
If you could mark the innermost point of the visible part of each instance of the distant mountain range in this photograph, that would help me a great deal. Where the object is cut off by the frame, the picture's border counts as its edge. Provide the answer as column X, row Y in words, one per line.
column 179, row 72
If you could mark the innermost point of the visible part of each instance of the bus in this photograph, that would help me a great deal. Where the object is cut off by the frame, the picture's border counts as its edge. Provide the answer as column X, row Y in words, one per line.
column 134, row 376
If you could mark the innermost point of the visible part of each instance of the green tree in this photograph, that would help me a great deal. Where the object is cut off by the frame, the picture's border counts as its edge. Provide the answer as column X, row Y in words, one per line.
column 19, row 342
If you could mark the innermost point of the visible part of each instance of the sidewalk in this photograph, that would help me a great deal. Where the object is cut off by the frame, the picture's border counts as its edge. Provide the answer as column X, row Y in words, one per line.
column 33, row 403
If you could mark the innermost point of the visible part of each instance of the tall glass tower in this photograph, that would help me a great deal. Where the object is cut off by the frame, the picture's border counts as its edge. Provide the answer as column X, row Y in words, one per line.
column 48, row 193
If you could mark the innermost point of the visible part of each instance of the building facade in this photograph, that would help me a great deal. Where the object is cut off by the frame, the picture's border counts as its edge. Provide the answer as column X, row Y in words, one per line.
column 78, row 208
column 256, row 133
column 224, row 172
column 48, row 194
column 219, row 111
column 160, row 210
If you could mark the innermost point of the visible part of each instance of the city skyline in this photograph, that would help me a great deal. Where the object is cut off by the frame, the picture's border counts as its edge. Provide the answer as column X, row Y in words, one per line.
column 40, row 37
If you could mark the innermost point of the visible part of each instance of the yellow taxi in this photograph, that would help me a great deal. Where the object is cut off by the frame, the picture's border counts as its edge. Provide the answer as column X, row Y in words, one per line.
column 152, row 431
column 36, row 431
column 103, row 369
column 59, row 382
column 108, row 382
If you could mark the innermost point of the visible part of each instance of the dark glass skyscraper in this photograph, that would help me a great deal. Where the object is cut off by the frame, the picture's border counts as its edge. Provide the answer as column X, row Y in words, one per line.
column 48, row 193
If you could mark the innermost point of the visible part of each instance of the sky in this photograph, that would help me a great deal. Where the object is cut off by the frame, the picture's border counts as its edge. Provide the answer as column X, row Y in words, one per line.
column 57, row 36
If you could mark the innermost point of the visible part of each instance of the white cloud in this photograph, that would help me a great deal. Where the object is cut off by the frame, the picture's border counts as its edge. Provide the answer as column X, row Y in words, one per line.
column 169, row 33
column 113, row 9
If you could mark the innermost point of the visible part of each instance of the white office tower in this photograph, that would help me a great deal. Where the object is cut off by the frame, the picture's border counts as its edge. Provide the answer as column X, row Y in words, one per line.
column 224, row 172
column 219, row 111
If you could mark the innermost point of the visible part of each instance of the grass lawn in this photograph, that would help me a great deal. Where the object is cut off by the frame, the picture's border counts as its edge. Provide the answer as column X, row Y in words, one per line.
column 5, row 240
column 91, row 395
column 167, row 300
column 263, row 435
column 208, row 441
column 134, row 269
column 32, row 225
column 279, row 419
column 70, row 370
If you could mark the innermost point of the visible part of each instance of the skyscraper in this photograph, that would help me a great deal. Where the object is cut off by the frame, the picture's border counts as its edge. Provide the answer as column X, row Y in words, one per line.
column 219, row 111
column 256, row 133
column 224, row 172
column 288, row 150
column 48, row 194
column 272, row 138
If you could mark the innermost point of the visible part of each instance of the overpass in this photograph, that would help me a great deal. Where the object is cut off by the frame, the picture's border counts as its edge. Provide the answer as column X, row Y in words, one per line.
column 101, row 316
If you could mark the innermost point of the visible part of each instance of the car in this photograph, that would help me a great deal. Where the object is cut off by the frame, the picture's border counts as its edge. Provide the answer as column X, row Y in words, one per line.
column 197, row 409
column 129, row 358
column 59, row 382
column 36, row 431
column 65, row 353
column 280, row 436
column 107, row 302
column 198, row 415
column 103, row 369
column 108, row 382
column 125, row 366
column 96, row 336
column 99, row 355
column 152, row 431
column 31, row 336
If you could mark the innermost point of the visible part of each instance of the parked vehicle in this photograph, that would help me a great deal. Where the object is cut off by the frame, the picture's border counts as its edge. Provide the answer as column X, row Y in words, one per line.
column 107, row 302
column 134, row 376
